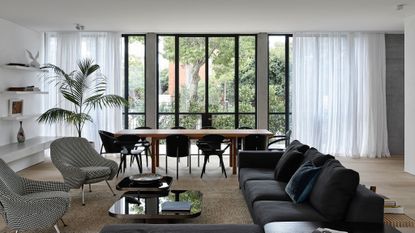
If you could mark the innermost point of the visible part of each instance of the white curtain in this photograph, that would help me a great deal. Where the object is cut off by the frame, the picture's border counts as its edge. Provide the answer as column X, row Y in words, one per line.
column 338, row 93
column 65, row 49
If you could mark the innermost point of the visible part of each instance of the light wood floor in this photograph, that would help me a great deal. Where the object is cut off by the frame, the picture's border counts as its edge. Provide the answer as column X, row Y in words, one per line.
column 386, row 174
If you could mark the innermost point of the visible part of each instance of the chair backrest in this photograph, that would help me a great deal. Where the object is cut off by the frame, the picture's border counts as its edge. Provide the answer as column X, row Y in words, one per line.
column 143, row 127
column 177, row 146
column 73, row 151
column 178, row 127
column 255, row 142
column 10, row 179
column 128, row 140
column 108, row 141
column 288, row 137
column 208, row 127
column 214, row 140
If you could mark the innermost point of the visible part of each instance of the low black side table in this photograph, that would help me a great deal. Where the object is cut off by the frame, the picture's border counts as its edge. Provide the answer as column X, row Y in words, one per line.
column 309, row 227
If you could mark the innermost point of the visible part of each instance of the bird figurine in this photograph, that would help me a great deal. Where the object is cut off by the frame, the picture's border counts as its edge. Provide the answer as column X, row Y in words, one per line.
column 34, row 62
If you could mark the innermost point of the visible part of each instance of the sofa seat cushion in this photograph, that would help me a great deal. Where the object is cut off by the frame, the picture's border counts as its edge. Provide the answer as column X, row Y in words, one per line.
column 333, row 190
column 246, row 174
column 256, row 190
column 181, row 228
column 277, row 211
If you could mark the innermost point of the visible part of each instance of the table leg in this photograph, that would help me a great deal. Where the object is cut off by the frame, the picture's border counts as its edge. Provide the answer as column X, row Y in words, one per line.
column 235, row 151
column 231, row 154
column 157, row 153
column 153, row 155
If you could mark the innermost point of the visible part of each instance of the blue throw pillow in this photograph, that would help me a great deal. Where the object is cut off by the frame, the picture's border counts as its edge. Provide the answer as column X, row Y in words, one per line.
column 301, row 183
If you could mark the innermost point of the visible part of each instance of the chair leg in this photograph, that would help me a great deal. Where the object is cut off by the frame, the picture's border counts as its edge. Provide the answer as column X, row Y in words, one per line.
column 190, row 164
column 121, row 164
column 90, row 190
column 198, row 158
column 222, row 165
column 204, row 165
column 83, row 195
column 147, row 150
column 166, row 164
column 109, row 186
column 56, row 228
column 139, row 162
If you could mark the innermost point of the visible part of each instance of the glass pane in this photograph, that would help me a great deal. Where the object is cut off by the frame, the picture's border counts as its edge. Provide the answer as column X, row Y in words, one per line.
column 276, row 73
column 135, row 121
column 190, row 121
column 192, row 74
column 221, row 74
column 166, row 121
column 136, row 91
column 166, row 73
column 223, row 121
column 276, row 123
column 247, row 74
column 247, row 120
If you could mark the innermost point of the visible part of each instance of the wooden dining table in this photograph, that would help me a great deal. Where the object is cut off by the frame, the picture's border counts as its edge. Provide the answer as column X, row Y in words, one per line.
column 159, row 134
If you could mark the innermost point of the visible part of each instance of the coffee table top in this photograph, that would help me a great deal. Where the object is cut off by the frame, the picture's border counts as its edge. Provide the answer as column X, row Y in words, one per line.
column 307, row 227
column 135, row 205
column 128, row 185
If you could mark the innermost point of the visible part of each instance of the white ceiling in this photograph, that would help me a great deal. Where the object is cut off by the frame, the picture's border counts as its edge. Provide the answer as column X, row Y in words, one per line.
column 208, row 16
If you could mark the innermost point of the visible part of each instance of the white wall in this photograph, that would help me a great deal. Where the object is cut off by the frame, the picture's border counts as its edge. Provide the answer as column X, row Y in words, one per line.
column 14, row 39
column 410, row 95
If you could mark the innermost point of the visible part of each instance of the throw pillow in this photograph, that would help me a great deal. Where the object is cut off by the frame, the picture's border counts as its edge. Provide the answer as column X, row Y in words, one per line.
column 289, row 162
column 301, row 183
column 333, row 190
column 297, row 145
column 321, row 160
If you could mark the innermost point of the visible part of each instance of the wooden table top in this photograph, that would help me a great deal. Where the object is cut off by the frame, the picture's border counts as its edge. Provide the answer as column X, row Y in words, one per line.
column 194, row 133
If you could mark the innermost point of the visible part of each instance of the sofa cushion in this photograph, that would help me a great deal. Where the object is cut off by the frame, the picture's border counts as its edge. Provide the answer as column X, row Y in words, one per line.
column 333, row 190
column 265, row 190
column 275, row 211
column 301, row 183
column 288, row 164
column 181, row 228
column 246, row 174
column 313, row 154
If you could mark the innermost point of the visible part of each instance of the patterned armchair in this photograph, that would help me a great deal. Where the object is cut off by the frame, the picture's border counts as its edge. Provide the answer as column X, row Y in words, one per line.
column 28, row 204
column 81, row 164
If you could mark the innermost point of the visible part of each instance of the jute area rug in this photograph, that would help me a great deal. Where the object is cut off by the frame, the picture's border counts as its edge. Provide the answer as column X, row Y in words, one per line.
column 222, row 200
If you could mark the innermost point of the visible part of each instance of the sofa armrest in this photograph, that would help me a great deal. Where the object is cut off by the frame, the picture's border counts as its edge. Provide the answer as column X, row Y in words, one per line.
column 258, row 159
column 366, row 206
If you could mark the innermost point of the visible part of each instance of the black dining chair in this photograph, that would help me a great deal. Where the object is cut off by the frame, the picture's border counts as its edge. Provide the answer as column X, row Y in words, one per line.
column 198, row 150
column 178, row 127
column 274, row 141
column 128, row 145
column 240, row 139
column 255, row 142
column 108, row 143
column 211, row 144
column 144, row 143
column 177, row 146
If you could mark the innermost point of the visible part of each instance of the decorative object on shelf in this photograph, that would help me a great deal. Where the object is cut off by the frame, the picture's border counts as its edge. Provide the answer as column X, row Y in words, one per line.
column 20, row 134
column 15, row 107
column 34, row 62
column 85, row 89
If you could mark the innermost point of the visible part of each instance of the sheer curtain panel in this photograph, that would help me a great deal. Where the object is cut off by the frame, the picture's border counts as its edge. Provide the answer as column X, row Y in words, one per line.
column 338, row 93
column 65, row 49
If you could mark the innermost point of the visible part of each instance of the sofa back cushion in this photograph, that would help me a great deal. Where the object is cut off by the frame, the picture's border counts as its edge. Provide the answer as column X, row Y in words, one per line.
column 333, row 190
column 290, row 161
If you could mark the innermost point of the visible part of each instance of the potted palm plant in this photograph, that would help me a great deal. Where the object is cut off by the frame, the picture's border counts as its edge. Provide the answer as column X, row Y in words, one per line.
column 85, row 89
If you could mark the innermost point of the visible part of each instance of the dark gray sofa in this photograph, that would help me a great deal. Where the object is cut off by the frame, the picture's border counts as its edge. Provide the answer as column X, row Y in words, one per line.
column 180, row 228
column 267, row 200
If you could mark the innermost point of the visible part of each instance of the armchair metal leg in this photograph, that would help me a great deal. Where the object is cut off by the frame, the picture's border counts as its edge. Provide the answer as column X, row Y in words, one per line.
column 56, row 228
column 83, row 195
column 109, row 186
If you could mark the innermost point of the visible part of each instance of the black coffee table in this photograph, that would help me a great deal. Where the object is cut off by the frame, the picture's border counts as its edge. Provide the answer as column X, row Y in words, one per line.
column 147, row 205
column 309, row 227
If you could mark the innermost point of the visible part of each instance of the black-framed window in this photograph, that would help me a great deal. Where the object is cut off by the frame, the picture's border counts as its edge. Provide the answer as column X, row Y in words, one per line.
column 134, row 80
column 206, row 80
column 279, row 63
